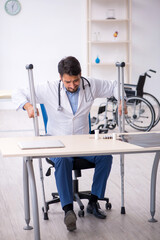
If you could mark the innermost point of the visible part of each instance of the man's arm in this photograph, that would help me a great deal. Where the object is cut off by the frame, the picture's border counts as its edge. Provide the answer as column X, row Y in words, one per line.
column 104, row 88
column 120, row 108
column 21, row 97
column 30, row 110
column 108, row 89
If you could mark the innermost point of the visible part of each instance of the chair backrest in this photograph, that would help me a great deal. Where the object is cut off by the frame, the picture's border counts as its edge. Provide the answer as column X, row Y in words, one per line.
column 45, row 118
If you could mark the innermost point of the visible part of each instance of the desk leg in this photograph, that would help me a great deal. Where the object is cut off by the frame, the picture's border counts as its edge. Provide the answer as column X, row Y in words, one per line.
column 153, row 186
column 122, row 184
column 26, row 196
column 34, row 199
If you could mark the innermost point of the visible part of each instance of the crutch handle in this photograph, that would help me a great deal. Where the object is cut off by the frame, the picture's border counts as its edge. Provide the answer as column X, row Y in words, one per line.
column 29, row 66
column 151, row 70
column 118, row 64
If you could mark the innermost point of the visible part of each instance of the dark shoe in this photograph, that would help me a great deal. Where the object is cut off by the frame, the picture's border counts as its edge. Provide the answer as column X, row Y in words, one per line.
column 94, row 209
column 70, row 220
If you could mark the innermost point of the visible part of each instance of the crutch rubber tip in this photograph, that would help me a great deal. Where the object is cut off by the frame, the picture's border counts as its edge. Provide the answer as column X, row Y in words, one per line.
column 46, row 216
column 123, row 211
column 29, row 66
column 118, row 64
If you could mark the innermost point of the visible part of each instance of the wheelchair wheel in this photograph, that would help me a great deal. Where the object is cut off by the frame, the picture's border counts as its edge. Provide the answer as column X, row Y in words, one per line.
column 102, row 128
column 141, row 114
column 111, row 124
column 156, row 105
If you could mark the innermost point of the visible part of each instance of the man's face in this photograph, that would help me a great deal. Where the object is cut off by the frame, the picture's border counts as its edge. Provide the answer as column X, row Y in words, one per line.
column 71, row 83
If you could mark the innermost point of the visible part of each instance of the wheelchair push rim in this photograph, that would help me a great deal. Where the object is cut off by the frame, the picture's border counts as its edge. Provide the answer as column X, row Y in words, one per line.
column 141, row 114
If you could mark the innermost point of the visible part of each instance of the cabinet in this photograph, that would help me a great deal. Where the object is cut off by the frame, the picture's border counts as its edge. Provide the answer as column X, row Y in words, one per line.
column 108, row 37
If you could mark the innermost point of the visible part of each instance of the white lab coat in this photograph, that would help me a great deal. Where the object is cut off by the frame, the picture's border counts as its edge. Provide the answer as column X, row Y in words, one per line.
column 64, row 122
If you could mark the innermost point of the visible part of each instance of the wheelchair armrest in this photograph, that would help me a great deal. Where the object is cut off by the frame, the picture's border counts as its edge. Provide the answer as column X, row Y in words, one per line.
column 111, row 99
column 129, row 92
column 127, row 88
column 130, row 85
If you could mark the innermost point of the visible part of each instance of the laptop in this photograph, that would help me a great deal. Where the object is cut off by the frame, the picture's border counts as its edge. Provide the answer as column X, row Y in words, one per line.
column 38, row 144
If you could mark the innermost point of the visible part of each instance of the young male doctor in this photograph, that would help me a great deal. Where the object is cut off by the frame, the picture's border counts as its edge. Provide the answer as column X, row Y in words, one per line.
column 68, row 103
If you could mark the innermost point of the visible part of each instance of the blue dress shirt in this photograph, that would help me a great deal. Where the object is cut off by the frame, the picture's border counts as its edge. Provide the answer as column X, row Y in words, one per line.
column 73, row 99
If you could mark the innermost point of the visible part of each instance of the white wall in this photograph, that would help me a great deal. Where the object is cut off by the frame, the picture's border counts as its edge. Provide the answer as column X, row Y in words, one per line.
column 42, row 33
column 47, row 30
column 145, row 42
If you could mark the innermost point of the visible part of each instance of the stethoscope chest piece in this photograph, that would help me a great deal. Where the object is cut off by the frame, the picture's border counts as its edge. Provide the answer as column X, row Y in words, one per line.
column 60, row 108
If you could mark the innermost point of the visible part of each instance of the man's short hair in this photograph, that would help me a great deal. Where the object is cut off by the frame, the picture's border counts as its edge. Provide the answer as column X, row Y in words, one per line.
column 69, row 65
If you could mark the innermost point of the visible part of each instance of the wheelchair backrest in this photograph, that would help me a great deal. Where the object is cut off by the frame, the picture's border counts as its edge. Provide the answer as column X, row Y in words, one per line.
column 140, row 85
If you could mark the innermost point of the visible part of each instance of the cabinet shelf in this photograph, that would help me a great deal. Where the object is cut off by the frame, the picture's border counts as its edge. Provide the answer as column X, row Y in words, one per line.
column 105, row 64
column 108, row 20
column 108, row 42
column 108, row 38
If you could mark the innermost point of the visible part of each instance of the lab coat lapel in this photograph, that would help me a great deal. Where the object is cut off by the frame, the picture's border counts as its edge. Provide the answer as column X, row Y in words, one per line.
column 64, row 99
column 81, row 96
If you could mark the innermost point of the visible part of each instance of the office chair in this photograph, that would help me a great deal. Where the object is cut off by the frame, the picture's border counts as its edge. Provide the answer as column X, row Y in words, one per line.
column 78, row 165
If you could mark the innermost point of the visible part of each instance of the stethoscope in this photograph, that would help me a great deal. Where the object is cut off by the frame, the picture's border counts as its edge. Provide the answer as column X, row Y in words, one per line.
column 60, row 108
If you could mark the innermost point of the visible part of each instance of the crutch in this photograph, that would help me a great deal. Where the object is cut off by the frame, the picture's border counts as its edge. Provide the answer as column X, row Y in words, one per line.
column 121, row 124
column 29, row 67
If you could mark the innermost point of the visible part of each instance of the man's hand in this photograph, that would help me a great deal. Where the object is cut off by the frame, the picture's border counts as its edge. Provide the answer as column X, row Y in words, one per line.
column 30, row 110
column 120, row 108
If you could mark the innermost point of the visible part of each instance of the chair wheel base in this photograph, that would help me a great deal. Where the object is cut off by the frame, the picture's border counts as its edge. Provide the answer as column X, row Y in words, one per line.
column 28, row 227
column 108, row 206
column 81, row 213
column 153, row 220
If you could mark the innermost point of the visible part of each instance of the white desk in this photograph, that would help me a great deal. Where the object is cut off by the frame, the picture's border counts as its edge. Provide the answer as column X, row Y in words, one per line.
column 5, row 94
column 77, row 145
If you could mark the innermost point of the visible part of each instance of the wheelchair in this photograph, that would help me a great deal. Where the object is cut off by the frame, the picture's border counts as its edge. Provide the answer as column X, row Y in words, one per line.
column 143, row 108
column 103, row 122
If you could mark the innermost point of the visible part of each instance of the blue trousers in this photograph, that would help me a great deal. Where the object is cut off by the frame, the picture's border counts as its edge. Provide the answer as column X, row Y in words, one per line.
column 63, row 176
